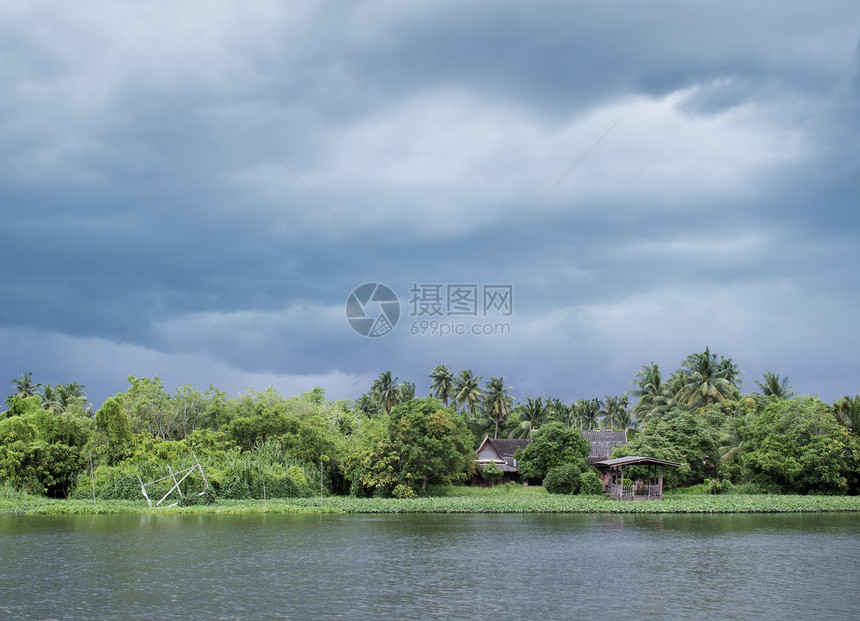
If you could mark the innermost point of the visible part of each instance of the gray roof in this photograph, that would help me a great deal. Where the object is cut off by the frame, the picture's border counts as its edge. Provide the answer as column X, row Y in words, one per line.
column 506, row 447
column 603, row 441
column 635, row 459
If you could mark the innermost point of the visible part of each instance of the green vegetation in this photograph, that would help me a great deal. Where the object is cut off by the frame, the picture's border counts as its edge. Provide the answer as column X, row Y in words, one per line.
column 509, row 498
column 390, row 445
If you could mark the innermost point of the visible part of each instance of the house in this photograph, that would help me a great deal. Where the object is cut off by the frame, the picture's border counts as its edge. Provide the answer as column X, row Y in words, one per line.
column 500, row 451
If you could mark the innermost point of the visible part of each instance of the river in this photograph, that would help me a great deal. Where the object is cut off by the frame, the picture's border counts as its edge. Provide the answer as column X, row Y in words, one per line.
column 487, row 567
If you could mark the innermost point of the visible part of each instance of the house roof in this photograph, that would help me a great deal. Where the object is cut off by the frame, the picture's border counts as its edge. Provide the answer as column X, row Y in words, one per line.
column 635, row 459
column 603, row 441
column 506, row 447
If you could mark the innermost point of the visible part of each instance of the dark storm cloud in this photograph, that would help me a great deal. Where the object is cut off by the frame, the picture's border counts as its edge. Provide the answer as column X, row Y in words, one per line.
column 183, row 187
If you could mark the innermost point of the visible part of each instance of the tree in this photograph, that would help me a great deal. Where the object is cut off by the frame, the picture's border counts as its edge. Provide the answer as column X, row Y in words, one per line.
column 615, row 413
column 707, row 378
column 847, row 411
column 797, row 446
column 467, row 390
column 25, row 386
column 774, row 387
column 443, row 383
column 385, row 391
column 432, row 443
column 552, row 445
column 588, row 412
column 50, row 398
column 532, row 414
column 689, row 437
column 148, row 407
column 649, row 391
column 497, row 401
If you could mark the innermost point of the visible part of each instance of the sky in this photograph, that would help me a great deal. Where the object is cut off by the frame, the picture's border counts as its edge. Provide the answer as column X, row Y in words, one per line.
column 194, row 190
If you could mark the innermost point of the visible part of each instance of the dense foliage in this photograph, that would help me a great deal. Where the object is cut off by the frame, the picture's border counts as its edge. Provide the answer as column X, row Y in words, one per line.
column 387, row 443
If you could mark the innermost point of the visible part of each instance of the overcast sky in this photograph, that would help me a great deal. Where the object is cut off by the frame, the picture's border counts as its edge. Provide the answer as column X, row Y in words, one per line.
column 192, row 190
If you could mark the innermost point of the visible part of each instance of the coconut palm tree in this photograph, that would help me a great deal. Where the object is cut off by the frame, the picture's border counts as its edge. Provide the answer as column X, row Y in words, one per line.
column 533, row 414
column 707, row 379
column 71, row 394
column 649, row 391
column 25, row 386
column 443, row 383
column 614, row 411
column 588, row 412
column 467, row 390
column 50, row 398
column 774, row 387
column 497, row 401
column 847, row 411
column 385, row 392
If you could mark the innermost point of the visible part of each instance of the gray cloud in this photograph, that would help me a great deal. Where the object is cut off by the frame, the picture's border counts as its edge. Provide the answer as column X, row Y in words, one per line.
column 144, row 223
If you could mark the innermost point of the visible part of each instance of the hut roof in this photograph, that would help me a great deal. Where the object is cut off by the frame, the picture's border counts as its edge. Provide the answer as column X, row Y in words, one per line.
column 634, row 459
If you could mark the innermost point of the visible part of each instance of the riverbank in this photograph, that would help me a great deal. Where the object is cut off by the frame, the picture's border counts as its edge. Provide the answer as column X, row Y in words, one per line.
column 455, row 500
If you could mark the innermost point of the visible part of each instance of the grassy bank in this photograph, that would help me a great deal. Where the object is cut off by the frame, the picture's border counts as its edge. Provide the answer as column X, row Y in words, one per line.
column 453, row 500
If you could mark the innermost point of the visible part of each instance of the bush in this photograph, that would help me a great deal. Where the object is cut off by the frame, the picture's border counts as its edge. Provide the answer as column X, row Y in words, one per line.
column 590, row 483
column 715, row 486
column 564, row 479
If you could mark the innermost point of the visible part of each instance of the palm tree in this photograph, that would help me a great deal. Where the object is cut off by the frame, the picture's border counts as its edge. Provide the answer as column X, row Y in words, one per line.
column 847, row 411
column 467, row 390
column 533, row 414
column 405, row 392
column 366, row 405
column 555, row 409
column 71, row 394
column 614, row 411
column 25, row 386
column 587, row 412
column 707, row 379
column 384, row 391
column 497, row 401
column 649, row 391
column 50, row 398
column 774, row 387
column 443, row 383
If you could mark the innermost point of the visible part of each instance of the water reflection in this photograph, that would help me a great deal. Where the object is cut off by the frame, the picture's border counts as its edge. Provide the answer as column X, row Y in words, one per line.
column 430, row 566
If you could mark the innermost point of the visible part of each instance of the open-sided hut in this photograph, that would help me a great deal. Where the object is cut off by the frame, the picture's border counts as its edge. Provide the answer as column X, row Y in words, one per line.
column 627, row 489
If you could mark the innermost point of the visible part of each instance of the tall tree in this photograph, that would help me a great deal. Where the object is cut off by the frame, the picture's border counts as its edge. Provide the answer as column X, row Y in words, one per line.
column 847, row 411
column 649, row 390
column 773, row 386
column 533, row 413
column 443, row 383
column 50, row 398
column 468, row 391
column 25, row 386
column 588, row 413
column 614, row 411
column 706, row 379
column 497, row 401
column 385, row 391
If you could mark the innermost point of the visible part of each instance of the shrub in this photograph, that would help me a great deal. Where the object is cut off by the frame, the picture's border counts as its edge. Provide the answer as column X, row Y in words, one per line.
column 590, row 483
column 715, row 486
column 564, row 479
column 491, row 472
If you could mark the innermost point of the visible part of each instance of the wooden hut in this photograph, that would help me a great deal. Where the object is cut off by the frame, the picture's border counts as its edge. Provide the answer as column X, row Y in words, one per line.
column 501, row 452
column 628, row 489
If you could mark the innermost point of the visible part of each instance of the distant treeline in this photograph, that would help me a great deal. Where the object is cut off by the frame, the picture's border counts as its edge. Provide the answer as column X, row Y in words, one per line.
column 390, row 443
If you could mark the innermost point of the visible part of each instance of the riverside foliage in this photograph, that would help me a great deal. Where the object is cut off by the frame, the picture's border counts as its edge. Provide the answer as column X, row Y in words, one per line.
column 260, row 445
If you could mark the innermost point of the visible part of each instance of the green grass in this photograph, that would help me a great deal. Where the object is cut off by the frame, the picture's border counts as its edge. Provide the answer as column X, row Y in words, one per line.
column 501, row 499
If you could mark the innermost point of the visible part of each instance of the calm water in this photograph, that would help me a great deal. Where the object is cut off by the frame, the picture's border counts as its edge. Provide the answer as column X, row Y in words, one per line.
column 491, row 567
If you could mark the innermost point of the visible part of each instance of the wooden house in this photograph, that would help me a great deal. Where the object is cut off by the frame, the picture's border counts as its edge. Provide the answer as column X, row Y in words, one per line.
column 501, row 452
column 621, row 488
